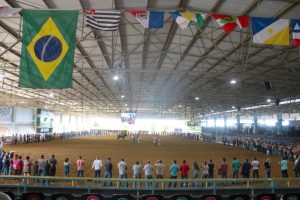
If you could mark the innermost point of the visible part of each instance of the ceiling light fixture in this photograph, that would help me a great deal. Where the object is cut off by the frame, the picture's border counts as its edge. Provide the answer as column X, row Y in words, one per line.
column 122, row 96
column 268, row 100
column 116, row 78
column 233, row 107
column 179, row 106
column 233, row 82
column 196, row 98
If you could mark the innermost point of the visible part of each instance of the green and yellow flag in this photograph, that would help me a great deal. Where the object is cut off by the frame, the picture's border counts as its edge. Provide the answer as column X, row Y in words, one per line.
column 48, row 45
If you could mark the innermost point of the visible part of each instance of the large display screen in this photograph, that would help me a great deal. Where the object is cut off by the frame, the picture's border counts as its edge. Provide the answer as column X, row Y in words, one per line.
column 128, row 117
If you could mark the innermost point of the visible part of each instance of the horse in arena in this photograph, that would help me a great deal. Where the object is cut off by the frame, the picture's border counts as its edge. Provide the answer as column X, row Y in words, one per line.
column 122, row 135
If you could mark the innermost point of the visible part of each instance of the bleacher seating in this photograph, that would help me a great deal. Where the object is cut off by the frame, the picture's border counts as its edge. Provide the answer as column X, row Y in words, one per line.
column 33, row 196
column 152, row 197
column 60, row 196
column 181, row 197
column 266, row 197
column 93, row 196
column 122, row 197
column 291, row 196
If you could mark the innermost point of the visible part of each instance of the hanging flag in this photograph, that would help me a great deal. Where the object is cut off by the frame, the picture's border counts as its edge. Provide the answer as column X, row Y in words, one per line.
column 182, row 22
column 48, row 45
column 270, row 31
column 7, row 11
column 105, row 20
column 296, row 31
column 184, row 19
column 149, row 19
column 229, row 23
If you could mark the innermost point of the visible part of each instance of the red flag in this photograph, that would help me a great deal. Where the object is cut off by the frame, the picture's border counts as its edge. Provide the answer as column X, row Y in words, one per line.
column 242, row 21
column 229, row 23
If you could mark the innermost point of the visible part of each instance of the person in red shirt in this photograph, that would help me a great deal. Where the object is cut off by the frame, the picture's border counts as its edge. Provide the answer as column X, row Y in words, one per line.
column 184, row 171
column 19, row 166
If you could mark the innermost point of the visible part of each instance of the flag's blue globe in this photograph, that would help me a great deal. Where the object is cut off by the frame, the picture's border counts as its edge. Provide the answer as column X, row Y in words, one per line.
column 48, row 48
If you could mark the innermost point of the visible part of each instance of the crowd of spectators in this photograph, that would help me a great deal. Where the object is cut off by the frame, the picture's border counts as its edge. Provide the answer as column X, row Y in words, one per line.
column 14, row 164
column 271, row 145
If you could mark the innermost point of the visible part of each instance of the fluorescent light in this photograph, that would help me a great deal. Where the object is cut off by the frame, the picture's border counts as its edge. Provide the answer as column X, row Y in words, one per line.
column 196, row 98
column 233, row 82
column 122, row 96
column 116, row 78
column 268, row 100
column 179, row 106
column 233, row 107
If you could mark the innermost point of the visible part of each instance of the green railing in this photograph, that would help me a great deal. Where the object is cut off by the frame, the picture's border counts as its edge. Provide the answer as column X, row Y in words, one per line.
column 88, row 184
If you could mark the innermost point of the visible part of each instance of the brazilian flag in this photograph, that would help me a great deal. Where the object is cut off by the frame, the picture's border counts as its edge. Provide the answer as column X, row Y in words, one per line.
column 48, row 45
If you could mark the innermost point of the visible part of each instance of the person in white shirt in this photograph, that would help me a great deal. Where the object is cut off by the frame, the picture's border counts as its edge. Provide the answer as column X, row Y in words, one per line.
column 148, row 168
column 159, row 170
column 255, row 167
column 97, row 164
column 136, row 168
column 122, row 166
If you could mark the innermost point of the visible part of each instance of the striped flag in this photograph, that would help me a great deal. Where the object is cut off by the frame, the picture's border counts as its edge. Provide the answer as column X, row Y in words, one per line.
column 105, row 20
column 296, row 31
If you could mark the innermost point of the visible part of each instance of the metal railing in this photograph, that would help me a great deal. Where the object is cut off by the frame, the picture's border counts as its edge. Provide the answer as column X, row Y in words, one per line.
column 23, row 183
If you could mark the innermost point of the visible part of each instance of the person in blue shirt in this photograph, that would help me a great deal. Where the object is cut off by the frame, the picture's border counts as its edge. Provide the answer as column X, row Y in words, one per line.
column 174, row 169
column 284, row 167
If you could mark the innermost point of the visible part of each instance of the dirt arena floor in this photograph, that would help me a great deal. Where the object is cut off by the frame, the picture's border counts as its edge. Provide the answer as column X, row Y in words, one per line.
column 171, row 148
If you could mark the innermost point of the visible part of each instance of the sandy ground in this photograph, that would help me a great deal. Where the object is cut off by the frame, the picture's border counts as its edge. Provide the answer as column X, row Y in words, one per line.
column 171, row 148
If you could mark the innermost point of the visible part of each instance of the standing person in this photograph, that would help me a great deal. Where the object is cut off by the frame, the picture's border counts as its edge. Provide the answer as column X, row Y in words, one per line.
column 80, row 164
column 205, row 169
column 224, row 168
column 136, row 168
column 66, row 167
column 235, row 168
column 267, row 165
column 27, row 166
column 122, row 166
column 211, row 167
column 42, row 164
column 184, row 171
column 159, row 170
column 19, row 165
column 255, row 168
column 174, row 169
column 195, row 172
column 148, row 168
column 97, row 164
column 53, row 163
column 6, row 165
column 284, row 167
column 246, row 169
column 36, row 168
column 108, row 170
